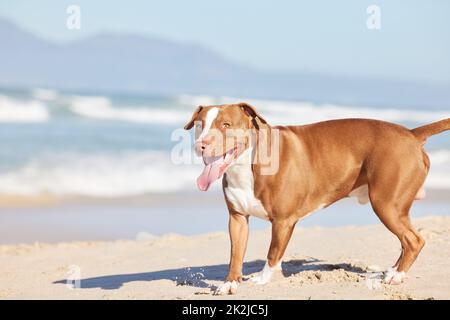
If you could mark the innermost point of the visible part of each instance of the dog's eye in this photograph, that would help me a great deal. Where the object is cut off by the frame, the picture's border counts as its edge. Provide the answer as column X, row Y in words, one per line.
column 226, row 125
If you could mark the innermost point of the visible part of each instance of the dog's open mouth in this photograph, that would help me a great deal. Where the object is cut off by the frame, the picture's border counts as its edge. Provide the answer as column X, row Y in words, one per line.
column 214, row 168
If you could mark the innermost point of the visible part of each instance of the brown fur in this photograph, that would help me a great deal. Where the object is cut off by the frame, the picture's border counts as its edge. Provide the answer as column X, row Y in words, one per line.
column 322, row 163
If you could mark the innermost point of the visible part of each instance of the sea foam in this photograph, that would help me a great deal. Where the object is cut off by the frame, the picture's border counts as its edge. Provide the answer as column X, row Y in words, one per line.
column 299, row 112
column 102, row 108
column 18, row 111
column 133, row 173
column 98, row 175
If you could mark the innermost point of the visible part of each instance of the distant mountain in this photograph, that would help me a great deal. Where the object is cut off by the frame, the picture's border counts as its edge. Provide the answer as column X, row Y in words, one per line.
column 134, row 63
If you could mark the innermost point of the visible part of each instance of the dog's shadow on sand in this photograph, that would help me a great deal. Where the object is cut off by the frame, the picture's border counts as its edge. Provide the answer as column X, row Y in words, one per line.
column 198, row 276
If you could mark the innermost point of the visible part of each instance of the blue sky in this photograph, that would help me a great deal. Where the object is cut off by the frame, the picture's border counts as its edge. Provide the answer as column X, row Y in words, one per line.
column 327, row 37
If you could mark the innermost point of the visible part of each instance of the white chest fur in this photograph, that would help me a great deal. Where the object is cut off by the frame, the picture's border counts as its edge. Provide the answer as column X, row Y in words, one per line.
column 239, row 189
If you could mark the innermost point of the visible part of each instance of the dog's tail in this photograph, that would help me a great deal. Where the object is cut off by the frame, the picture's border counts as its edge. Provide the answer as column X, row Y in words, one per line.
column 422, row 133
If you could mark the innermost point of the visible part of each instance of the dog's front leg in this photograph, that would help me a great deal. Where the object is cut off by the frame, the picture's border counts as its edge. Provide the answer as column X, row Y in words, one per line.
column 281, row 234
column 238, row 228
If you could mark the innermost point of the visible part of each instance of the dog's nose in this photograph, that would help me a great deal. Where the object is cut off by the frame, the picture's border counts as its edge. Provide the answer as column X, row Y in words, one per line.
column 200, row 146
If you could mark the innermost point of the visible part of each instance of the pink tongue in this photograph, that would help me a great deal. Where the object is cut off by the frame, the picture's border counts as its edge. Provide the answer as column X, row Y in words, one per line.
column 210, row 173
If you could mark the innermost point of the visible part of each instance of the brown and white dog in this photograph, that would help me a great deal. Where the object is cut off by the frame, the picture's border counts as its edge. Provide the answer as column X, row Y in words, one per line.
column 318, row 164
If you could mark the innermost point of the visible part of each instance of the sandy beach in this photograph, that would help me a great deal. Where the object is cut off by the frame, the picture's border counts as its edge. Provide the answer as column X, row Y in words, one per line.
column 128, row 135
column 320, row 263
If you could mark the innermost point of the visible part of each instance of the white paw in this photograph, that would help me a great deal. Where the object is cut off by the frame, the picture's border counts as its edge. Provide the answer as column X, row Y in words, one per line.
column 228, row 287
column 266, row 274
column 393, row 276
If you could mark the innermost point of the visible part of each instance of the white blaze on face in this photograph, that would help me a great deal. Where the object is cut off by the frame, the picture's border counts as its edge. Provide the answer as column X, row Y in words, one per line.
column 214, row 166
column 211, row 115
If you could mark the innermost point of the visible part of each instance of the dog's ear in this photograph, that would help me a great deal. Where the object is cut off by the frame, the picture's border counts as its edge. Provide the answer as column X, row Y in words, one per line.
column 252, row 113
column 190, row 124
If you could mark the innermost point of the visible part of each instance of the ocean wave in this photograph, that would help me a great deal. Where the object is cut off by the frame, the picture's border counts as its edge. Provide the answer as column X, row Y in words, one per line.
column 275, row 111
column 297, row 112
column 133, row 173
column 18, row 111
column 439, row 175
column 440, row 157
column 35, row 109
column 102, row 108
column 308, row 112
column 99, row 175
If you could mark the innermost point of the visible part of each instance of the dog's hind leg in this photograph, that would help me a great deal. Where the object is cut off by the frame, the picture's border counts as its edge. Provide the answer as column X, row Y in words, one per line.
column 411, row 241
column 392, row 189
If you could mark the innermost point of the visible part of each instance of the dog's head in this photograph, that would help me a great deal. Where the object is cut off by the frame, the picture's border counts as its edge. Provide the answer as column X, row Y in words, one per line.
column 222, row 134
